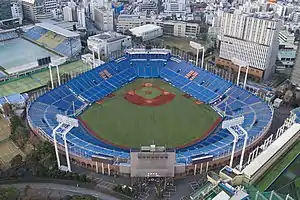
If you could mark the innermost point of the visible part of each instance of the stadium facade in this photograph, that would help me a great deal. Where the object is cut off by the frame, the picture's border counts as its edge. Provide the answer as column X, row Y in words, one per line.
column 72, row 98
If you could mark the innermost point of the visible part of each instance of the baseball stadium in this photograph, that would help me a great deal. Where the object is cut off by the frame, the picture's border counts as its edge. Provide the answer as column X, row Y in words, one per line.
column 149, row 97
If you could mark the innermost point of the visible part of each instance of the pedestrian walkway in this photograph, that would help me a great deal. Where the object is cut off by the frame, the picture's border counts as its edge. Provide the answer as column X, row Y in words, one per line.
column 63, row 188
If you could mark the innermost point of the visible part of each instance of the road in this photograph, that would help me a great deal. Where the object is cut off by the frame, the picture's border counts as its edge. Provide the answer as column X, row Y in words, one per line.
column 67, row 189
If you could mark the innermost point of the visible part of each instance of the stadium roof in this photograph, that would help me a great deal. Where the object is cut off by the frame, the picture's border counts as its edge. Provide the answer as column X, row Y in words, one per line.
column 7, row 30
column 58, row 30
column 138, row 31
column 268, row 154
column 13, row 99
column 107, row 36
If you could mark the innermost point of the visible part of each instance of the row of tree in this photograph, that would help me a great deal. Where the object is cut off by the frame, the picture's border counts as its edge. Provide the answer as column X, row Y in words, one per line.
column 19, row 131
column 40, row 162
column 11, row 193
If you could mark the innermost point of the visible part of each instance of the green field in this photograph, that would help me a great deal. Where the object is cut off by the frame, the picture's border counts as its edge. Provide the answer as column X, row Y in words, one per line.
column 38, row 79
column 173, row 124
column 276, row 169
column 289, row 181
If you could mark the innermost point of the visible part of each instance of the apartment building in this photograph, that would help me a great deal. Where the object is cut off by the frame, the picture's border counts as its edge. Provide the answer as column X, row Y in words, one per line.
column 174, row 28
column 35, row 10
column 179, row 28
column 251, row 39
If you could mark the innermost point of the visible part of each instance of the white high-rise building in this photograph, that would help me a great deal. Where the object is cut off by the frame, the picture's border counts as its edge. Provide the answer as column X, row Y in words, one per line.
column 109, row 44
column 36, row 10
column 104, row 16
column 126, row 21
column 95, row 4
column 17, row 10
column 250, row 39
column 175, row 6
column 81, row 17
column 67, row 12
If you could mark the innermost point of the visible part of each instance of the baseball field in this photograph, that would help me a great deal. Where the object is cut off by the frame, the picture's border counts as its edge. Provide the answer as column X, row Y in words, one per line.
column 149, row 111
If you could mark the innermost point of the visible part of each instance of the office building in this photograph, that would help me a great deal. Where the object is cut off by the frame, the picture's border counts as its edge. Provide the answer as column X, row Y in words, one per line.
column 170, row 27
column 295, row 77
column 126, row 21
column 176, row 7
column 67, row 12
column 17, row 10
column 108, row 43
column 287, row 52
column 81, row 17
column 36, row 10
column 149, row 7
column 147, row 32
column 104, row 19
column 179, row 28
column 250, row 39
column 5, row 10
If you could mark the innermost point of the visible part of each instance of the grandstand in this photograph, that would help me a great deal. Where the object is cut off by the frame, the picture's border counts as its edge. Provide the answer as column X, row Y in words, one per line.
column 75, row 96
column 62, row 41
column 8, row 35
column 38, row 78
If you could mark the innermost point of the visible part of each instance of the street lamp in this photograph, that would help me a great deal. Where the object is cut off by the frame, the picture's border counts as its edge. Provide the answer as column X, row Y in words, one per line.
column 241, row 64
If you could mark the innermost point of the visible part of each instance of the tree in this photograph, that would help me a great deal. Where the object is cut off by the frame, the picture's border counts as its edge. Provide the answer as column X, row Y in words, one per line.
column 15, row 122
column 16, row 161
column 7, row 109
column 10, row 193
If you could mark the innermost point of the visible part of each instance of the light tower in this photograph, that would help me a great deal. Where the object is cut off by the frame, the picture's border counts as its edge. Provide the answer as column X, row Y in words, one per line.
column 237, row 131
column 241, row 64
column 198, row 46
column 65, row 124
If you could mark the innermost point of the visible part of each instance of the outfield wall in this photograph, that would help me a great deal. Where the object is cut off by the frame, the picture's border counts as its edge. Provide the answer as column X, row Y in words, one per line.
column 220, row 160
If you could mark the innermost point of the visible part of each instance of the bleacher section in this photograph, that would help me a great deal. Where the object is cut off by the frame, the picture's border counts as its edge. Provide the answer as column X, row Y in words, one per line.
column 226, row 98
column 8, row 35
column 54, row 41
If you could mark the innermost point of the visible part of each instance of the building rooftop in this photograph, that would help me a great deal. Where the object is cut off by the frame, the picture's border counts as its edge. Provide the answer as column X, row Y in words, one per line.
column 108, row 36
column 138, row 31
column 268, row 154
column 58, row 30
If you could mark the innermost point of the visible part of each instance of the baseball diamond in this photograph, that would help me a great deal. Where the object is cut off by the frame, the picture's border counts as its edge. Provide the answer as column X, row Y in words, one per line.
column 173, row 121
column 150, row 97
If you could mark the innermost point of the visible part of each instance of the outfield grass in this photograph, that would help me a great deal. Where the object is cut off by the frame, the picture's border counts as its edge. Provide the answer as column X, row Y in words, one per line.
column 176, row 123
column 276, row 169
column 36, row 80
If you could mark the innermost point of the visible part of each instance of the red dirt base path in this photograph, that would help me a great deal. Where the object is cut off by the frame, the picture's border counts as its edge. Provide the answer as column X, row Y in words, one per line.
column 163, row 98
column 101, row 101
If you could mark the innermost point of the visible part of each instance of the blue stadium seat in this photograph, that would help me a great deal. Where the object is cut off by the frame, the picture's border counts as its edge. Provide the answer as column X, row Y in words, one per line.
column 91, row 86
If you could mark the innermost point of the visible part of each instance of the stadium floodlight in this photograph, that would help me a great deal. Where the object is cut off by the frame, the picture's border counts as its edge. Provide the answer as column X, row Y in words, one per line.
column 233, row 126
column 57, row 72
column 67, row 120
column 51, row 77
column 64, row 127
column 241, row 64
column 233, row 122
column 198, row 46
